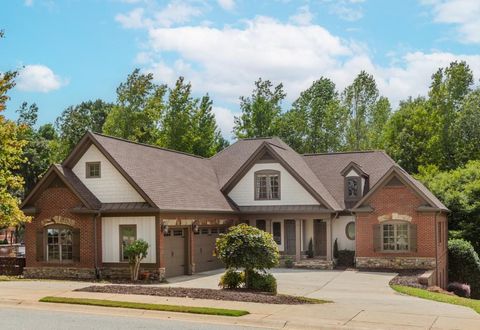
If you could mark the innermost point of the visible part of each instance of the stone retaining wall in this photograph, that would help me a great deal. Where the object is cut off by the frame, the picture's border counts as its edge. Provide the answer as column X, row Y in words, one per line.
column 59, row 273
column 395, row 262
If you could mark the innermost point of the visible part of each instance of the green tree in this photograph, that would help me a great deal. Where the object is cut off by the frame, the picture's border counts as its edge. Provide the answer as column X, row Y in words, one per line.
column 207, row 139
column 11, row 149
column 76, row 120
column 466, row 129
column 459, row 190
column 39, row 151
column 317, row 121
column 248, row 248
column 377, row 121
column 261, row 112
column 177, row 123
column 448, row 90
column 136, row 252
column 411, row 135
column 360, row 99
column 137, row 112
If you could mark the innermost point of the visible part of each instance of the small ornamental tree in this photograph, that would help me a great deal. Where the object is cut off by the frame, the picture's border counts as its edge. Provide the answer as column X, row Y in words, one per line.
column 136, row 252
column 248, row 248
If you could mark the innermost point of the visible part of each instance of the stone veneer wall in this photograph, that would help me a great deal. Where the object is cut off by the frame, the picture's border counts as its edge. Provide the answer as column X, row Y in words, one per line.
column 59, row 273
column 395, row 262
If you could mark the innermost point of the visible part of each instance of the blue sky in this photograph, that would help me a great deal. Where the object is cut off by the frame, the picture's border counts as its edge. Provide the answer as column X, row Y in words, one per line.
column 71, row 51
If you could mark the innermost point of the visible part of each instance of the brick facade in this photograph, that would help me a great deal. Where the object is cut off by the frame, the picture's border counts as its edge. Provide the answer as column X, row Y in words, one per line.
column 401, row 202
column 56, row 201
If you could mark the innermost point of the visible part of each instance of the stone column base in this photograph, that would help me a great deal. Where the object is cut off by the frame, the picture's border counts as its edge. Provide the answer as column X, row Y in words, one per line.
column 59, row 273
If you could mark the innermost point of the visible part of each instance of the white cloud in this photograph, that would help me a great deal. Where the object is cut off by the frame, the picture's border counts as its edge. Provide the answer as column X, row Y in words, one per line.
column 226, row 4
column 226, row 61
column 465, row 14
column 224, row 118
column 303, row 16
column 348, row 10
column 175, row 12
column 28, row 3
column 39, row 78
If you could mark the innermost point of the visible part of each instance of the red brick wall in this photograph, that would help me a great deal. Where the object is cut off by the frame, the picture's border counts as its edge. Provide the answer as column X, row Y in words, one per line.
column 404, row 201
column 56, row 201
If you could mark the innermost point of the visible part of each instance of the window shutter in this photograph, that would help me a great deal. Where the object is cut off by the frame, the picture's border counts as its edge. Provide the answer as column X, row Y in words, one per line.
column 76, row 244
column 40, row 247
column 377, row 238
column 413, row 238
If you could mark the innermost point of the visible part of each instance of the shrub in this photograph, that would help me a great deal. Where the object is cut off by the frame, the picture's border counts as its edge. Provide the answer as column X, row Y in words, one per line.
column 455, row 234
column 335, row 249
column 263, row 282
column 310, row 249
column 232, row 279
column 289, row 262
column 249, row 248
column 136, row 252
column 461, row 290
column 464, row 265
column 346, row 258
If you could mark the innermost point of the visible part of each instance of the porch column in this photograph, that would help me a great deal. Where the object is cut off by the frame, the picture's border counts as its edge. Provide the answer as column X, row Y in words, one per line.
column 329, row 238
column 298, row 239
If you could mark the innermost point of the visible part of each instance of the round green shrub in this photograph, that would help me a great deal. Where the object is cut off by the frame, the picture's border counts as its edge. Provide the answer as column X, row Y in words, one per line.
column 260, row 281
column 232, row 279
column 464, row 265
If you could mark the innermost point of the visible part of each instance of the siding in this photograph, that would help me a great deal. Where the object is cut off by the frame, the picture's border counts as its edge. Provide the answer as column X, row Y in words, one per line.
column 111, row 187
column 338, row 232
column 111, row 236
column 291, row 192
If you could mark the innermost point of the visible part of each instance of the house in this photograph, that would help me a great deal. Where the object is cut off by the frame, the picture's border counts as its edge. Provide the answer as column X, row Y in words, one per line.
column 109, row 192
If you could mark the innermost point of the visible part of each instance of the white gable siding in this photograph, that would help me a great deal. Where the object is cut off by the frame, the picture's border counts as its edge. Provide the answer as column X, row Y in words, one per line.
column 291, row 191
column 111, row 187
column 111, row 236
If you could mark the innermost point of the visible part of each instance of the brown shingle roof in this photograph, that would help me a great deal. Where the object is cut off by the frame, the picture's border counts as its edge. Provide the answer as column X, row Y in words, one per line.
column 79, row 187
column 172, row 180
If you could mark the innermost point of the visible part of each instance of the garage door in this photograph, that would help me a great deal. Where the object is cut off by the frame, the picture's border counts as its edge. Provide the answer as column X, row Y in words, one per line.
column 175, row 252
column 204, row 248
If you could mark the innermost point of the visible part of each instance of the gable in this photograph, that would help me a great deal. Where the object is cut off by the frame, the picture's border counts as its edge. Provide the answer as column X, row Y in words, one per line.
column 111, row 186
column 291, row 191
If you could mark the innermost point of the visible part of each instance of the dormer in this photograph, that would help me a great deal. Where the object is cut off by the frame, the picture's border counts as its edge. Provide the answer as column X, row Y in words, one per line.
column 356, row 184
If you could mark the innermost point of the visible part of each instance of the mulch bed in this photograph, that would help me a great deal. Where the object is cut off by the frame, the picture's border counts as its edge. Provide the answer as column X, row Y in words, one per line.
column 196, row 293
column 408, row 278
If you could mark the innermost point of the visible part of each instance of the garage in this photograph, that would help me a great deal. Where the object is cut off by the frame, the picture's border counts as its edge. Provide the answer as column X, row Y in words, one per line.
column 204, row 242
column 175, row 252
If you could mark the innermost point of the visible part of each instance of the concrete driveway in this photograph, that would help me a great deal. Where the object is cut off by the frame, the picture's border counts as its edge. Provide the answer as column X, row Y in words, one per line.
column 361, row 299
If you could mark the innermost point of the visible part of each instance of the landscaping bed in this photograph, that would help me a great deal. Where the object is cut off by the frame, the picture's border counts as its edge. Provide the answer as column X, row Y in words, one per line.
column 408, row 278
column 196, row 293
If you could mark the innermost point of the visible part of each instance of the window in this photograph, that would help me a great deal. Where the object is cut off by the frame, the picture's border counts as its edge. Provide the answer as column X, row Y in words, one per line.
column 128, row 235
column 267, row 185
column 277, row 232
column 59, row 244
column 262, row 225
column 353, row 188
column 350, row 230
column 395, row 237
column 93, row 170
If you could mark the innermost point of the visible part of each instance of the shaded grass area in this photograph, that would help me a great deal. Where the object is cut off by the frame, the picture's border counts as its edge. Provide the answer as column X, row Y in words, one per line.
column 441, row 297
column 151, row 307
column 6, row 278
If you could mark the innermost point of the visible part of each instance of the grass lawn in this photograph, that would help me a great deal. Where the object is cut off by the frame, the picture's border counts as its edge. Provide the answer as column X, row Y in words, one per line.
column 5, row 278
column 152, row 307
column 441, row 297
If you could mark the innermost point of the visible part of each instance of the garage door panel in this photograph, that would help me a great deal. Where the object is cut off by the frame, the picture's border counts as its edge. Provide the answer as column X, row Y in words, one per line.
column 175, row 253
column 204, row 249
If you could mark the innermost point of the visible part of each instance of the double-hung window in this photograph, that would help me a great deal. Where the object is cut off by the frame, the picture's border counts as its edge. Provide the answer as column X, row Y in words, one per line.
column 395, row 237
column 59, row 244
column 267, row 185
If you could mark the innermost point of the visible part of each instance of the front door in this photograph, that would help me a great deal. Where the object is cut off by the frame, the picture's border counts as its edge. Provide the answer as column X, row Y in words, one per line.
column 290, row 240
column 320, row 237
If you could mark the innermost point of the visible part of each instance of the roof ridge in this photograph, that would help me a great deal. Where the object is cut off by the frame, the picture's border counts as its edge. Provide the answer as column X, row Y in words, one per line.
column 148, row 145
column 341, row 152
